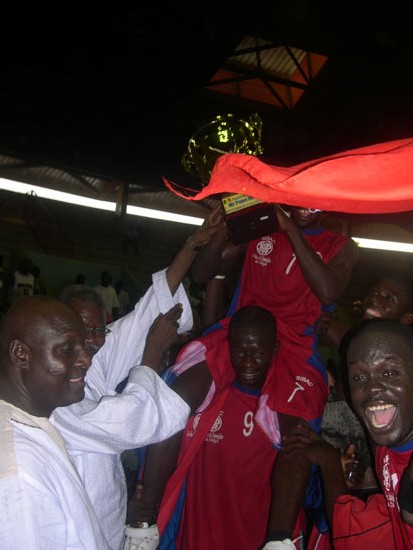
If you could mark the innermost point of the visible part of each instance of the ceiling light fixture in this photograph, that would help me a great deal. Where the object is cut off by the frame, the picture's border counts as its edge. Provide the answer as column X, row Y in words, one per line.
column 383, row 245
column 69, row 198
column 51, row 194
column 166, row 216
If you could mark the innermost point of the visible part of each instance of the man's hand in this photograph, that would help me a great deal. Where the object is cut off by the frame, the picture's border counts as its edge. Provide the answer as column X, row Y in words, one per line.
column 183, row 260
column 353, row 468
column 309, row 444
column 212, row 223
column 140, row 511
column 306, row 443
column 324, row 322
column 162, row 334
column 283, row 217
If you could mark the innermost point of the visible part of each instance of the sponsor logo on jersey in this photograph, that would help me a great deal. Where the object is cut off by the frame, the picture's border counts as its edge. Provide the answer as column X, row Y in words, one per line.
column 390, row 482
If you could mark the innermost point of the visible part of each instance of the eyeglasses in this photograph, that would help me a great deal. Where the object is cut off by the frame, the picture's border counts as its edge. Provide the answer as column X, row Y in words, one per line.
column 97, row 331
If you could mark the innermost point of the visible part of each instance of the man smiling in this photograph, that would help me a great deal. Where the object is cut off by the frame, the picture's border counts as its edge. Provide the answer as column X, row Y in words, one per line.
column 43, row 364
column 390, row 298
column 380, row 370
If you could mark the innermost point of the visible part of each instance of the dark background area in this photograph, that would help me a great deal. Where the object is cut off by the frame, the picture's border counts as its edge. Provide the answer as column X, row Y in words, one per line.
column 117, row 91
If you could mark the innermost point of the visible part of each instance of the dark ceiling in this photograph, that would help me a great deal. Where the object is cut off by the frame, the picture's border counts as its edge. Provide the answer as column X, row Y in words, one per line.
column 117, row 92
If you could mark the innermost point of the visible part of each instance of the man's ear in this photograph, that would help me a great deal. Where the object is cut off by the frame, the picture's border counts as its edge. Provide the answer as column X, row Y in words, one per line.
column 19, row 353
column 407, row 318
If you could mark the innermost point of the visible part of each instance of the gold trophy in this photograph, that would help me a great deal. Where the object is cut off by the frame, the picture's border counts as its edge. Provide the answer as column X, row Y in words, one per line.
column 246, row 217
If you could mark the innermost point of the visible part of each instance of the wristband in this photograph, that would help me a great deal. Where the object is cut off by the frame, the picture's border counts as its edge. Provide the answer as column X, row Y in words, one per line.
column 286, row 544
column 406, row 493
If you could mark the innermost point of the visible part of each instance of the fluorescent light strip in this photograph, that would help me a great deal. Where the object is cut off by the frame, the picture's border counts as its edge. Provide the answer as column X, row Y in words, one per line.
column 25, row 188
column 167, row 216
column 383, row 245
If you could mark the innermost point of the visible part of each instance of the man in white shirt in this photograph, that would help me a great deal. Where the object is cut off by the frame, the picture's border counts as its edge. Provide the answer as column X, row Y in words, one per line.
column 102, row 426
column 43, row 363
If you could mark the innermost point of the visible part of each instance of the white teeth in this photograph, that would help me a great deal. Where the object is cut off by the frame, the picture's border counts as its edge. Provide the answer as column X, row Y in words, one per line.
column 373, row 312
column 381, row 416
column 380, row 407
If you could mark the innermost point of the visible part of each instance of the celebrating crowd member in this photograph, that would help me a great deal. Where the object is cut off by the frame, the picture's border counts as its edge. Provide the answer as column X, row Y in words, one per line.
column 380, row 371
column 391, row 297
column 106, row 423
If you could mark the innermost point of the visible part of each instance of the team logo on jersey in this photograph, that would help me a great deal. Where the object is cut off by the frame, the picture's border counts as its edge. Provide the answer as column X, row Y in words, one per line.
column 213, row 436
column 217, row 425
column 265, row 246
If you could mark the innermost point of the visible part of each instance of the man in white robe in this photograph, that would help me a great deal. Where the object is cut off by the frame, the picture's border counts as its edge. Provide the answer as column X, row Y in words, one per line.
column 43, row 363
column 99, row 428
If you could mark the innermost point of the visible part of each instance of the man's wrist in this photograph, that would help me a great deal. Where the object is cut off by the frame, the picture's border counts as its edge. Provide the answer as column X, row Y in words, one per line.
column 196, row 247
column 278, row 535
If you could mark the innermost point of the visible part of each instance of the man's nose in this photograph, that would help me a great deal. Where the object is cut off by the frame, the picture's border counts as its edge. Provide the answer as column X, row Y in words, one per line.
column 248, row 359
column 375, row 386
column 91, row 336
column 84, row 359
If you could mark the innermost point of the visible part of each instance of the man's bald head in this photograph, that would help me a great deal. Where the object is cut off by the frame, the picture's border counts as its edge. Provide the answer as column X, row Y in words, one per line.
column 42, row 357
column 25, row 318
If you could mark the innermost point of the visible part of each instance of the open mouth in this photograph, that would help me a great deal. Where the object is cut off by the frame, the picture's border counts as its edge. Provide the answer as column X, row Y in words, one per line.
column 380, row 417
column 372, row 313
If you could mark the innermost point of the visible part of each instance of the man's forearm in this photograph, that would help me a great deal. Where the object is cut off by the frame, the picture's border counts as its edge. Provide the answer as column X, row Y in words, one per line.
column 316, row 272
column 193, row 244
column 334, row 483
column 325, row 281
column 160, row 462
column 180, row 265
column 289, row 483
column 208, row 262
